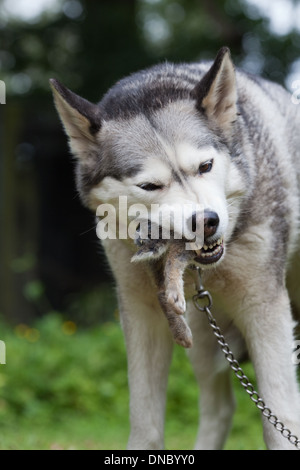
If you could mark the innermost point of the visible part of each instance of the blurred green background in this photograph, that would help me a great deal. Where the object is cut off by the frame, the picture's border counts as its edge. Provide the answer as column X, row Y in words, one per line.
column 64, row 384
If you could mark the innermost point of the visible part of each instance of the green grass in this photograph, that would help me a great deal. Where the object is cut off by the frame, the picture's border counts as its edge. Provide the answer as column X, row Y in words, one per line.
column 66, row 388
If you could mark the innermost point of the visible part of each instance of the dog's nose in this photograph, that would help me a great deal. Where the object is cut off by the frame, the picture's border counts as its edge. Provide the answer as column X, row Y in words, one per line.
column 211, row 222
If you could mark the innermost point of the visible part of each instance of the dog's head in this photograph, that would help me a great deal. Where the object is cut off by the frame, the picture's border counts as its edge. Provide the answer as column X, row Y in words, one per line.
column 161, row 138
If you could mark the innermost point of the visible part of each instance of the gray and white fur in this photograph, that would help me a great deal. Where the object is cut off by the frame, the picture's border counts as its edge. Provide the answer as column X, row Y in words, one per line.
column 207, row 134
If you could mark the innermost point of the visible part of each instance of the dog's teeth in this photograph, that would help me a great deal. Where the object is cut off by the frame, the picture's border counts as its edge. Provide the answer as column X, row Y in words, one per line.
column 216, row 247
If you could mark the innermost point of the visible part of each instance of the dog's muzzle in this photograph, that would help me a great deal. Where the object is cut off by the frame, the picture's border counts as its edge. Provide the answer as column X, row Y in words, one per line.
column 213, row 249
column 210, row 254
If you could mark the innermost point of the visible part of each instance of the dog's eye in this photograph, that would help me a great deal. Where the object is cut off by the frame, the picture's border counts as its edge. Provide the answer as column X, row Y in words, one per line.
column 205, row 167
column 150, row 186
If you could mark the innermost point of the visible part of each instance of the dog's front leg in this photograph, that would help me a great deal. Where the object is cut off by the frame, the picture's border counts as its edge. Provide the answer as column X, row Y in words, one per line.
column 149, row 346
column 217, row 403
column 149, row 351
column 267, row 326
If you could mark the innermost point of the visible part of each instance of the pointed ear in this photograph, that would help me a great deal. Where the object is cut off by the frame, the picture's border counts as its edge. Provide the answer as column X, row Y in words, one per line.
column 216, row 93
column 80, row 118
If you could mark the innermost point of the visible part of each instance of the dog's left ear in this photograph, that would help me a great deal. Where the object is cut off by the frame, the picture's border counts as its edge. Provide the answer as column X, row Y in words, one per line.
column 216, row 94
column 80, row 118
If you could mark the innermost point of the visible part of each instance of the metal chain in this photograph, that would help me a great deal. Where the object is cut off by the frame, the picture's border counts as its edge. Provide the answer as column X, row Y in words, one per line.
column 204, row 295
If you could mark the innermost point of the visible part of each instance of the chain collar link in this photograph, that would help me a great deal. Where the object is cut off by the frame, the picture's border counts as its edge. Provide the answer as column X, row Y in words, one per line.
column 203, row 302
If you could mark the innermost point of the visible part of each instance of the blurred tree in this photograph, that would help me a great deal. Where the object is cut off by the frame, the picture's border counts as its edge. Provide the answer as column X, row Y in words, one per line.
column 47, row 240
column 90, row 44
column 188, row 30
column 48, row 244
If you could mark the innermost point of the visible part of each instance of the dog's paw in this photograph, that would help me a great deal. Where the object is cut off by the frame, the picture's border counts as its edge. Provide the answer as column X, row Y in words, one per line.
column 176, row 300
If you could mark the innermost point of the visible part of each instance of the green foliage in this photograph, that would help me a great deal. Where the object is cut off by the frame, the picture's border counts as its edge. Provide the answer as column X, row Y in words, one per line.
column 65, row 387
column 89, row 45
column 53, row 369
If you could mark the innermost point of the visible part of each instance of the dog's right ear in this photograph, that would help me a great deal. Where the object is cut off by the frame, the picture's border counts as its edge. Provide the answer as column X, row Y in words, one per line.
column 80, row 118
column 216, row 93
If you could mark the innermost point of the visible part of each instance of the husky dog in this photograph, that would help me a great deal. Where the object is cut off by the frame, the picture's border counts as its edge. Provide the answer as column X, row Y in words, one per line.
column 212, row 135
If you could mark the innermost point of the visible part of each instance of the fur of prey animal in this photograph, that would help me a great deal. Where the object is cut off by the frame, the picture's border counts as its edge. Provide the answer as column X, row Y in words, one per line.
column 208, row 134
